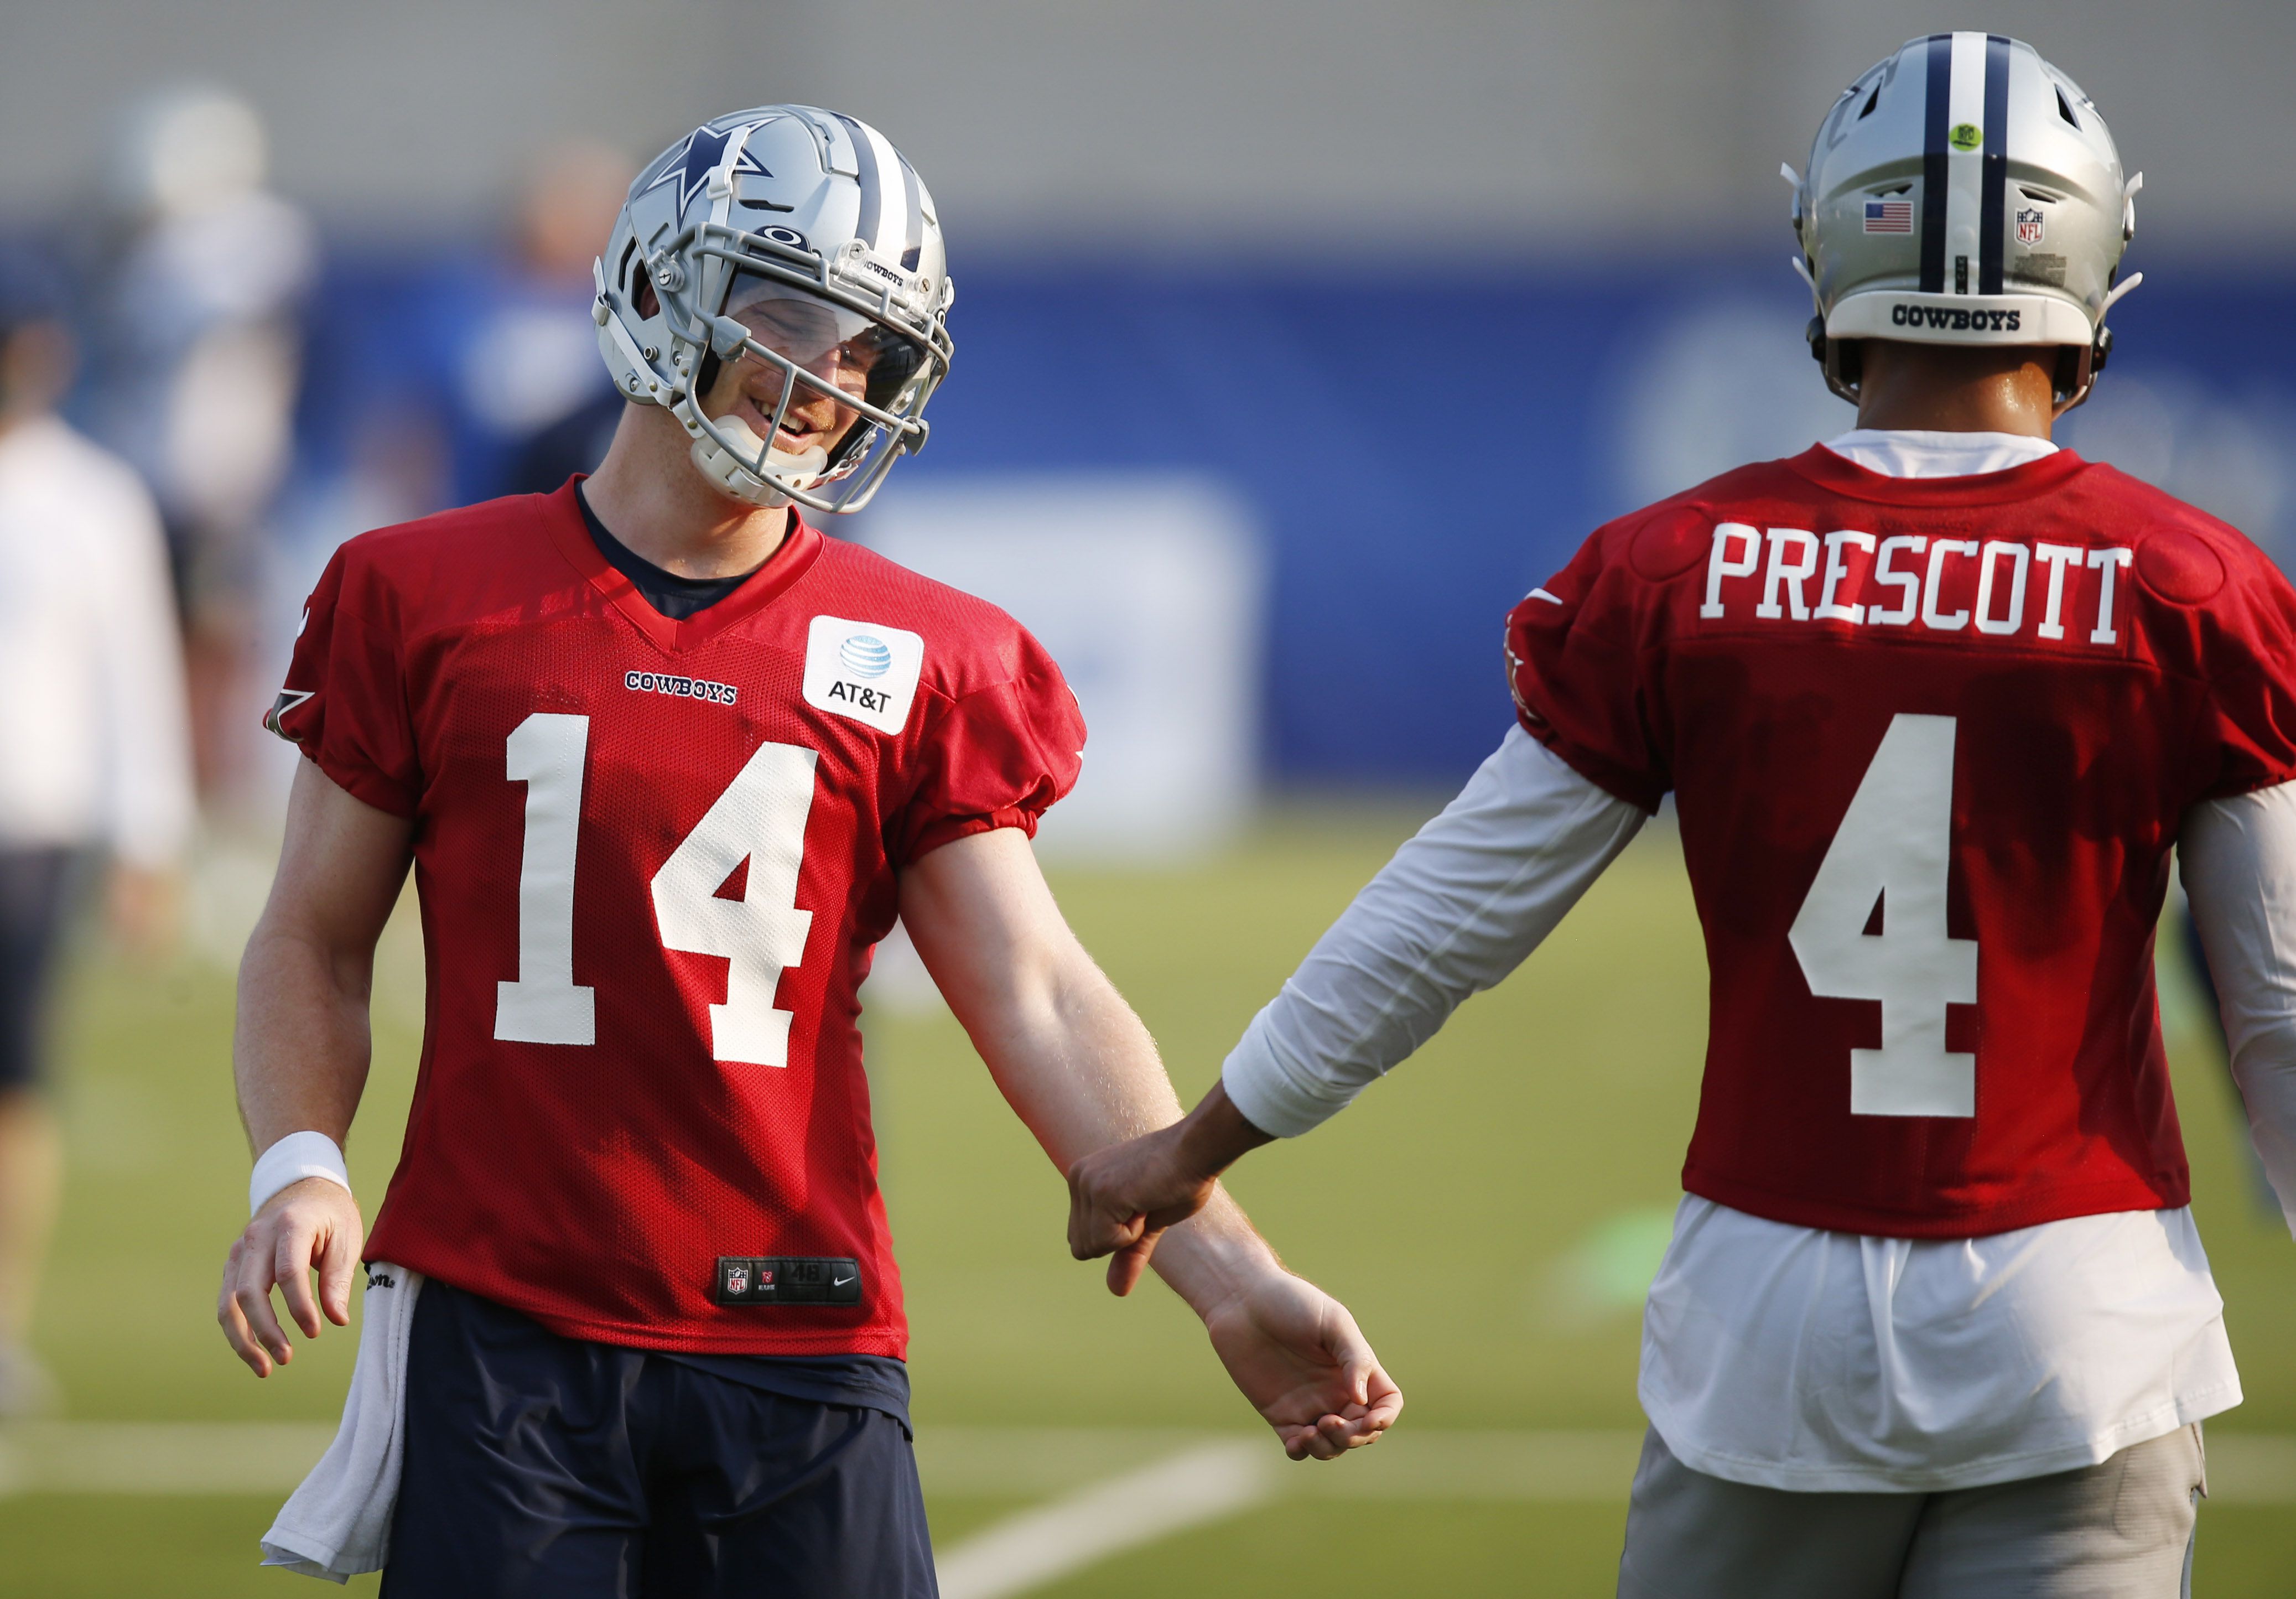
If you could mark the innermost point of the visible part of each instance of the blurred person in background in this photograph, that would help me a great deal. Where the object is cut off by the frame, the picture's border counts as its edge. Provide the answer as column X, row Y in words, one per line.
column 91, row 718
column 530, row 403
column 570, row 203
column 198, row 364
column 471, row 378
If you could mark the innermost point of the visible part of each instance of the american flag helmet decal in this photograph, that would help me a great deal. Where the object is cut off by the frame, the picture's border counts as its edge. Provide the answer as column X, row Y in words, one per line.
column 1889, row 215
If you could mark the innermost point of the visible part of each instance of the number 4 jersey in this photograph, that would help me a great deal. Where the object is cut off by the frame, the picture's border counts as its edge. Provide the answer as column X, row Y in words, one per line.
column 653, row 857
column 1931, row 741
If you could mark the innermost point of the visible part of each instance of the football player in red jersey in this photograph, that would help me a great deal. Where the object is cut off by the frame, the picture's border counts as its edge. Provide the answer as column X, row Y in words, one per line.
column 1935, row 702
column 667, row 763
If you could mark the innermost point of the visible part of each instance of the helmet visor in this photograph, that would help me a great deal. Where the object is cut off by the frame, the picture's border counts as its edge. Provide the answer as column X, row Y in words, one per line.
column 849, row 352
column 817, row 393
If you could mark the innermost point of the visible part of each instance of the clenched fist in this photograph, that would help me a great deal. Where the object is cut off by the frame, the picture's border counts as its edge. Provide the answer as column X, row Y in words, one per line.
column 1122, row 1198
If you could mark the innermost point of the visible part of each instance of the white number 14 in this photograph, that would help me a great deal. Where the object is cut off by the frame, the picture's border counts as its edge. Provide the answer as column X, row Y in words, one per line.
column 1895, row 845
column 760, row 818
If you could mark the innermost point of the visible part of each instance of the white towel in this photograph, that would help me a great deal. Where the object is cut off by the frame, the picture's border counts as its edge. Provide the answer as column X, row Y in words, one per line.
column 338, row 1524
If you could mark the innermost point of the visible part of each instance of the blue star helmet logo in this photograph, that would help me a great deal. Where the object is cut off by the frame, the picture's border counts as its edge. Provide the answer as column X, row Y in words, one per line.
column 705, row 149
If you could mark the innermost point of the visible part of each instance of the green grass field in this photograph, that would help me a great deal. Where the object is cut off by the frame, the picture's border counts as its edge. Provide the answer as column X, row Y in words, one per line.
column 1489, row 1214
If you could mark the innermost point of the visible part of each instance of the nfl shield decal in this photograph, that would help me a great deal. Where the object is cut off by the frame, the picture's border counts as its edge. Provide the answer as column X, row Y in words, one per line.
column 737, row 1279
column 2030, row 225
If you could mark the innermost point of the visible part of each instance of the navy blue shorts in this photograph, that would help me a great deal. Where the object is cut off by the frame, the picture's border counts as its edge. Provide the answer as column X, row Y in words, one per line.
column 33, row 883
column 561, row 1469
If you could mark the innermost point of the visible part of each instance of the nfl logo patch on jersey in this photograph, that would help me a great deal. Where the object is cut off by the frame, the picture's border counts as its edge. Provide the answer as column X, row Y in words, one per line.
column 862, row 670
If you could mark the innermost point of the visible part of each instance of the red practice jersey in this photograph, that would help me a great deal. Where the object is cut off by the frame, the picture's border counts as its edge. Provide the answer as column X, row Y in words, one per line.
column 1931, row 741
column 653, row 857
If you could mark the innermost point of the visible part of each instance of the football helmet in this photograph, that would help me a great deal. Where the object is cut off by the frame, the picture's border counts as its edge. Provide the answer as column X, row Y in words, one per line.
column 801, row 240
column 1963, row 191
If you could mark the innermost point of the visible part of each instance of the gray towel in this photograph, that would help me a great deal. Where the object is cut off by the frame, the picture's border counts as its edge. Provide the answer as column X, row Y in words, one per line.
column 338, row 1524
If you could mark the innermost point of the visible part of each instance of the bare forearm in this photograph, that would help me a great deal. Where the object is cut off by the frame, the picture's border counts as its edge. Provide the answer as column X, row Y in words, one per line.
column 1082, row 1073
column 1073, row 1061
column 301, row 1046
column 1211, row 1257
column 1077, row 1066
column 300, row 1058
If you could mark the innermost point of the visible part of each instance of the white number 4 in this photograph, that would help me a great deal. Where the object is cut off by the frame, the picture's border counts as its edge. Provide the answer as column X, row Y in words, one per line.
column 1895, row 845
column 760, row 818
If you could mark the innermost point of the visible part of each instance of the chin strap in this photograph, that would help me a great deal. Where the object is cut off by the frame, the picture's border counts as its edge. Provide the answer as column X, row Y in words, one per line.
column 733, row 475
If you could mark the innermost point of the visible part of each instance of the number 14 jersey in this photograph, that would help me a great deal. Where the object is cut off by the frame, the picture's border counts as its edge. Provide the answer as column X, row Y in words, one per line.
column 1930, row 742
column 653, row 857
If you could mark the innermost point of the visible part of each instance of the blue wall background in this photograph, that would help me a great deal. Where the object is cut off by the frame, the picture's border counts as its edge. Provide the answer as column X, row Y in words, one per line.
column 1421, row 451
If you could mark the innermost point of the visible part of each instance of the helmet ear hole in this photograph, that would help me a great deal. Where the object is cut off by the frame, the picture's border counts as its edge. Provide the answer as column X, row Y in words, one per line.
column 1850, row 362
column 2077, row 365
column 643, row 300
column 1844, row 363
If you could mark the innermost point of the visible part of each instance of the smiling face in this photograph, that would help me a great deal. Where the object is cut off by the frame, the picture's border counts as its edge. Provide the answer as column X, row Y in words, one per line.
column 845, row 356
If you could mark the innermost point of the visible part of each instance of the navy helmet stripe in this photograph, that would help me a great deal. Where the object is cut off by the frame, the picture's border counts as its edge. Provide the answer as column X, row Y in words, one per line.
column 1937, row 107
column 916, row 244
column 1992, row 236
column 873, row 198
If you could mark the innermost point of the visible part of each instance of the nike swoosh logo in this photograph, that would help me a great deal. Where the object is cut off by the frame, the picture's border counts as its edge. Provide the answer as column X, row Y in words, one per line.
column 841, row 1281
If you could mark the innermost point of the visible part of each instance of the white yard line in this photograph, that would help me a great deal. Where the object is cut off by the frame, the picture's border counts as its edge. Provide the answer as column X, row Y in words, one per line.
column 160, row 1458
column 1208, row 1483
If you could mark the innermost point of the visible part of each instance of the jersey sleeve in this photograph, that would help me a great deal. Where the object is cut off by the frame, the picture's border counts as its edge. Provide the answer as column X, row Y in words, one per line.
column 344, row 703
column 1576, row 667
column 997, row 757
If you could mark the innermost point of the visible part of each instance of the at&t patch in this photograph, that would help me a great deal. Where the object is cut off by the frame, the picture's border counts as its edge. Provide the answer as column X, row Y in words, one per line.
column 863, row 670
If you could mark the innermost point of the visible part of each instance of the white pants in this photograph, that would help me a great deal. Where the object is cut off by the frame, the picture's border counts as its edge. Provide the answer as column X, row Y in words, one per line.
column 2120, row 1530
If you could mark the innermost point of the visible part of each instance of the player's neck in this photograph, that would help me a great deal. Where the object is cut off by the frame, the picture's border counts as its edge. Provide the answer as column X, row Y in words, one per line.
column 653, row 499
column 1946, row 390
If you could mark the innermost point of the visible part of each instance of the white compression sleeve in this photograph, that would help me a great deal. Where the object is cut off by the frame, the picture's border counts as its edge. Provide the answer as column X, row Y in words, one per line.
column 1460, row 906
column 2238, row 858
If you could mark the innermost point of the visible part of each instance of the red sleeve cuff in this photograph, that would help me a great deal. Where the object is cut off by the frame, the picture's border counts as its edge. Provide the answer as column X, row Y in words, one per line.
column 364, row 784
column 949, row 829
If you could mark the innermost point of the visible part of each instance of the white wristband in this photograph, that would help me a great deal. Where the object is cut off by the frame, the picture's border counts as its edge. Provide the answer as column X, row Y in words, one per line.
column 295, row 1157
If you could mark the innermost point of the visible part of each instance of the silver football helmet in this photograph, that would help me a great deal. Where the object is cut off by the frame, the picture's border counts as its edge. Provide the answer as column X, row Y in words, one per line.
column 799, row 246
column 1964, row 191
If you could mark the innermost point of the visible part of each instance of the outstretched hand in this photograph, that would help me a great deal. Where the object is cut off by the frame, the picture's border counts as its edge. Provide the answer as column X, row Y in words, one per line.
column 1297, row 1356
column 311, row 1223
column 1122, row 1198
